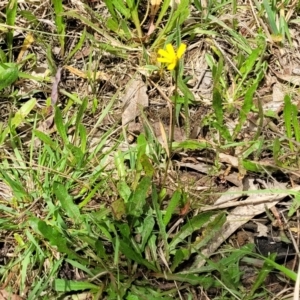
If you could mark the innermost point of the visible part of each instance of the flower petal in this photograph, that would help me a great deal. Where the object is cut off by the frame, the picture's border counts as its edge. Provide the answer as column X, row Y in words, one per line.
column 163, row 53
column 172, row 66
column 165, row 60
column 181, row 50
column 170, row 50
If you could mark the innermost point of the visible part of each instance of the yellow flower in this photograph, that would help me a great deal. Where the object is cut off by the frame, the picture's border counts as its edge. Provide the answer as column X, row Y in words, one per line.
column 170, row 57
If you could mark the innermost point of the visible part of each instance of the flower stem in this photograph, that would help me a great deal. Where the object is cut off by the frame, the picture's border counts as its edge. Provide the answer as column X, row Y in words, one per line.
column 174, row 109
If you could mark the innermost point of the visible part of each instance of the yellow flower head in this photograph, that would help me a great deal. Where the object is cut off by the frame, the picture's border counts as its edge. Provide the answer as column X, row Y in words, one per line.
column 170, row 57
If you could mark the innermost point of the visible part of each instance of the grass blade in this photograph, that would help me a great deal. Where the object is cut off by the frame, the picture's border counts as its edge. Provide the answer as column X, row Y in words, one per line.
column 11, row 13
column 60, row 24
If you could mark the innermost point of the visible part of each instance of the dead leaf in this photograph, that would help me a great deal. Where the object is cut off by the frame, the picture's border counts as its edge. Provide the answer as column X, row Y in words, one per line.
column 200, row 167
column 232, row 194
column 262, row 229
column 4, row 295
column 54, row 92
column 29, row 39
column 254, row 205
column 293, row 79
column 97, row 75
column 155, row 4
column 164, row 138
column 277, row 99
column 229, row 159
column 134, row 100
column 6, row 192
column 179, row 134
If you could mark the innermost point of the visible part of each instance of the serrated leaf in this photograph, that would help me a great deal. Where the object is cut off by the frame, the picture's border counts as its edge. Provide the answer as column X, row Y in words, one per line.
column 46, row 139
column 210, row 231
column 137, row 201
column 248, row 102
column 250, row 61
column 62, row 285
column 179, row 256
column 58, row 120
column 194, row 224
column 133, row 255
column 148, row 225
column 121, row 8
column 54, row 236
column 173, row 204
column 202, row 281
column 66, row 201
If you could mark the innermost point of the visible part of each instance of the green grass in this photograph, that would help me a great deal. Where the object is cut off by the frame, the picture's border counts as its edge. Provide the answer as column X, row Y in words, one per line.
column 83, row 213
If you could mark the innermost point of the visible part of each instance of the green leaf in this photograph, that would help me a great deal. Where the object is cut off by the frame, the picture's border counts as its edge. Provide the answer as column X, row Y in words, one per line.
column 296, row 123
column 60, row 23
column 110, row 6
column 11, row 13
column 66, row 202
column 78, row 46
column 133, row 255
column 54, row 236
column 148, row 225
column 218, row 109
column 124, row 190
column 209, row 232
column 118, row 209
column 289, row 273
column 262, row 275
column 29, row 16
column 62, row 285
column 249, row 63
column 205, row 282
column 58, row 120
column 276, row 150
column 9, row 73
column 191, row 145
column 46, row 139
column 121, row 8
column 271, row 16
column 173, row 204
column 195, row 224
column 3, row 58
column 147, row 165
column 161, row 225
column 137, row 201
column 80, row 114
column 295, row 205
column 185, row 90
column 247, row 105
column 180, row 255
column 21, row 114
column 179, row 15
column 287, row 113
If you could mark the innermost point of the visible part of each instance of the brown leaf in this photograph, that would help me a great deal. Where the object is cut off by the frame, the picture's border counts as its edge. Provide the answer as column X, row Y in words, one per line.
column 54, row 92
column 244, row 211
column 4, row 295
column 155, row 4
column 134, row 100
column 29, row 39
column 98, row 75
column 293, row 79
